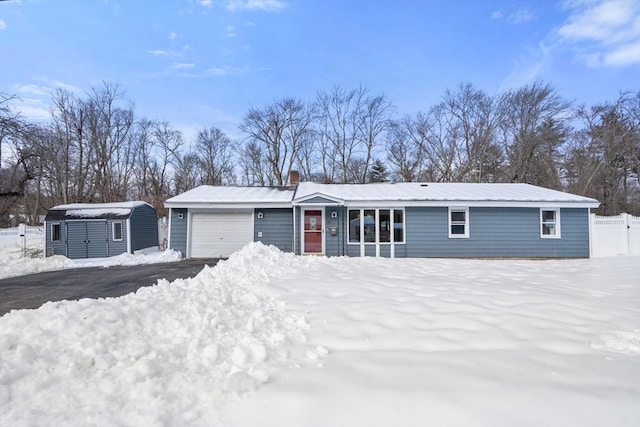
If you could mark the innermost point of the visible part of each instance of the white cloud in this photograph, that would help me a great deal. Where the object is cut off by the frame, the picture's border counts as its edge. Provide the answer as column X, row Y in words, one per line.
column 205, row 3
column 182, row 65
column 160, row 52
column 265, row 5
column 496, row 14
column 3, row 25
column 604, row 32
column 173, row 36
column 231, row 31
column 520, row 16
column 623, row 55
column 528, row 69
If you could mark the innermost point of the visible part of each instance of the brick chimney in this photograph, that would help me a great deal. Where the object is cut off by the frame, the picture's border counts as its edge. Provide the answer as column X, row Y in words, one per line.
column 294, row 178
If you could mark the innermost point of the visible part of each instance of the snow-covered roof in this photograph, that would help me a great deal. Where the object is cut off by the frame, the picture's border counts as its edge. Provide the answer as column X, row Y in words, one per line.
column 468, row 193
column 93, row 210
column 217, row 196
column 118, row 205
column 405, row 194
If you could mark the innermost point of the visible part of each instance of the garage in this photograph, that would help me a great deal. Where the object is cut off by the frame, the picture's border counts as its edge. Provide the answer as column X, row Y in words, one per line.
column 218, row 235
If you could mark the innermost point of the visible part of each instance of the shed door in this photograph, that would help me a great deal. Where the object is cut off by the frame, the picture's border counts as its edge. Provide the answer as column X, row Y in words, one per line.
column 86, row 239
column 218, row 235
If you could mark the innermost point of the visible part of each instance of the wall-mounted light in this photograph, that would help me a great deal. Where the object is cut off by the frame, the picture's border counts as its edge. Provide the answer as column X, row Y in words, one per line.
column 334, row 214
column 180, row 215
column 260, row 215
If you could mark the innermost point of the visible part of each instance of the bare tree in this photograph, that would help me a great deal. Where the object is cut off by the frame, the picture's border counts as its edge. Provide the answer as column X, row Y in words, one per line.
column 532, row 130
column 351, row 124
column 213, row 150
column 280, row 129
column 603, row 157
column 406, row 148
column 474, row 116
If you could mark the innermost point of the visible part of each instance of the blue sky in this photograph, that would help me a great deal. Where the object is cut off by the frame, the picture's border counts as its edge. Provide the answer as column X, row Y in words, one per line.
column 198, row 63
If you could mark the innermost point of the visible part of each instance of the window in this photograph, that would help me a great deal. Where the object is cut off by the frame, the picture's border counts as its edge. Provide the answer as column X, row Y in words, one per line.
column 55, row 232
column 376, row 226
column 398, row 226
column 458, row 222
column 116, row 228
column 550, row 223
column 354, row 226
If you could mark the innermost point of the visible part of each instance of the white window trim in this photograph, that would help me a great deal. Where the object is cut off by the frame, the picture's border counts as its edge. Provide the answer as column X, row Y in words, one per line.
column 59, row 231
column 466, row 222
column 557, row 223
column 377, row 219
column 113, row 231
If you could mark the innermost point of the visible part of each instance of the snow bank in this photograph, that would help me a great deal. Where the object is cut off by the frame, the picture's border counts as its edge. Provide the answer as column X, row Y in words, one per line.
column 167, row 355
column 13, row 261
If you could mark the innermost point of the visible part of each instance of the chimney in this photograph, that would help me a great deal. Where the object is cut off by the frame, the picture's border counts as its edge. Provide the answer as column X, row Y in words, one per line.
column 294, row 178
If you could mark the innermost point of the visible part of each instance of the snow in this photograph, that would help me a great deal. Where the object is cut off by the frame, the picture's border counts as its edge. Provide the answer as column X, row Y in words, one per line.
column 116, row 205
column 97, row 212
column 440, row 192
column 208, row 194
column 15, row 261
column 272, row 339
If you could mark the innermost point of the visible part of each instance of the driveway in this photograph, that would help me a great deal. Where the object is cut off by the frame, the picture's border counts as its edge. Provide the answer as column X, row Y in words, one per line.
column 33, row 290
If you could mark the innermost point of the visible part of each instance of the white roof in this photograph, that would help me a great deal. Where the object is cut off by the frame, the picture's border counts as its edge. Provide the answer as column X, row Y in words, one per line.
column 118, row 205
column 213, row 196
column 470, row 193
column 398, row 194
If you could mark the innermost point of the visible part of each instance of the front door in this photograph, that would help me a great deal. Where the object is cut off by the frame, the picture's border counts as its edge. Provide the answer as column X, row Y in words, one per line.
column 313, row 232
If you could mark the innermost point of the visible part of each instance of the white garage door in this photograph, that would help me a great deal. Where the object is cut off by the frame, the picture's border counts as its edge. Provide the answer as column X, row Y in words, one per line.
column 220, row 234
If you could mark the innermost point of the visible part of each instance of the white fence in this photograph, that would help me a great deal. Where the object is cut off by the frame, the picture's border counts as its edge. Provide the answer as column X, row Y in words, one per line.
column 615, row 235
column 20, row 236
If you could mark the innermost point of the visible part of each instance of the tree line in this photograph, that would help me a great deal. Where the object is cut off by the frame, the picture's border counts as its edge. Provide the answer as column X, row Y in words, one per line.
column 95, row 148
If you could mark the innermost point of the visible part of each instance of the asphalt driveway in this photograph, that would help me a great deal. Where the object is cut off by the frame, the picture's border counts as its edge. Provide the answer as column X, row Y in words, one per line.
column 33, row 290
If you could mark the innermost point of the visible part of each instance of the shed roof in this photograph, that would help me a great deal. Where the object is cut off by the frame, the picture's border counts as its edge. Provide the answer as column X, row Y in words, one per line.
column 120, row 210
column 440, row 192
column 212, row 196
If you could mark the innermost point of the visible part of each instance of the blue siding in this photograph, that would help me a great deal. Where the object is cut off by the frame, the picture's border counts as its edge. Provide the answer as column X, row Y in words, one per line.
column 58, row 247
column 144, row 227
column 116, row 247
column 334, row 244
column 496, row 232
column 178, row 233
column 276, row 227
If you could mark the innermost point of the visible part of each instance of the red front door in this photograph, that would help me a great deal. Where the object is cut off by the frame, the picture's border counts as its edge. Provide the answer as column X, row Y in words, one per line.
column 313, row 232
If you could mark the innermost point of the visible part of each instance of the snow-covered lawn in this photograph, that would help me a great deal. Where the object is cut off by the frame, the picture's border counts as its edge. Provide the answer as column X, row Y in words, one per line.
column 271, row 339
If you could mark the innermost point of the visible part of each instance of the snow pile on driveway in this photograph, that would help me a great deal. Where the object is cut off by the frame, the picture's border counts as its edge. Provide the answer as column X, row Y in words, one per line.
column 167, row 355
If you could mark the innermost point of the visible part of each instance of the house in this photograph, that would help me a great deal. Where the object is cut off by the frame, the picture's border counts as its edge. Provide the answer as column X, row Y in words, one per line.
column 97, row 230
column 384, row 220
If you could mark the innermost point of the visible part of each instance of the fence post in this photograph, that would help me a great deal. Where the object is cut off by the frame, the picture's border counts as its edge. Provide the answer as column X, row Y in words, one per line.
column 627, row 233
column 22, row 230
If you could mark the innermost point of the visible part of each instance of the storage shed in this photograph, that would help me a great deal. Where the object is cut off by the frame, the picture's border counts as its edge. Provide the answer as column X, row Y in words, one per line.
column 98, row 230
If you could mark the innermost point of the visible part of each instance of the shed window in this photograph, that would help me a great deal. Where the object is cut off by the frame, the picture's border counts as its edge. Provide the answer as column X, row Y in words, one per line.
column 116, row 228
column 550, row 223
column 458, row 222
column 55, row 232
